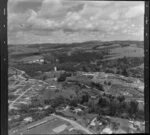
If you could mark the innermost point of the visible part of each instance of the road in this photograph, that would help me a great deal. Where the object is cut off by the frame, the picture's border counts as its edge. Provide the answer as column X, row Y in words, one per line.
column 13, row 102
column 47, row 119
column 75, row 124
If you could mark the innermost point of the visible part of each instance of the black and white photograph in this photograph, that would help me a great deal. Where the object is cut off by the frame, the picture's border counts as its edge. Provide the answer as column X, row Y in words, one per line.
column 75, row 67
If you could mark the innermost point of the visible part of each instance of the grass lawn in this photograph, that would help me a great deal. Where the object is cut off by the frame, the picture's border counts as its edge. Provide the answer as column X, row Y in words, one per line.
column 46, row 128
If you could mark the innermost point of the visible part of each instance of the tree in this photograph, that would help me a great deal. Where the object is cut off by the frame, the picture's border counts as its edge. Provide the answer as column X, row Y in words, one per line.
column 47, row 101
column 114, row 107
column 77, row 91
column 103, row 101
column 124, row 72
column 115, row 125
column 109, row 83
column 62, row 78
column 44, row 77
column 74, row 102
column 71, row 96
column 133, row 108
column 98, row 86
column 85, row 98
column 105, row 82
column 93, row 109
column 58, row 101
column 99, row 117
column 84, row 68
column 121, row 98
column 49, row 110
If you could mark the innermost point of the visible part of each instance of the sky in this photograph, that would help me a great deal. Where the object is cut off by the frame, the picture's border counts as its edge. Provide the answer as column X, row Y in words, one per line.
column 67, row 21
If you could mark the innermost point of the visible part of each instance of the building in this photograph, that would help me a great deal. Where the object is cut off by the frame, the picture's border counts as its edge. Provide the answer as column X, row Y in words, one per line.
column 82, row 106
column 60, row 128
column 93, row 123
column 33, row 59
column 55, row 69
column 107, row 131
column 28, row 119
column 76, row 110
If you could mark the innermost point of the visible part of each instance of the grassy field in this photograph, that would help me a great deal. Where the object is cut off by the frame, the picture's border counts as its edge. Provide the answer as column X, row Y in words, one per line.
column 45, row 128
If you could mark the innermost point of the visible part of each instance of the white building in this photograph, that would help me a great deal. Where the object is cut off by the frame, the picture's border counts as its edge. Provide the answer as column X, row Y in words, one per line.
column 28, row 119
column 107, row 131
column 55, row 69
column 93, row 122
column 33, row 59
column 60, row 128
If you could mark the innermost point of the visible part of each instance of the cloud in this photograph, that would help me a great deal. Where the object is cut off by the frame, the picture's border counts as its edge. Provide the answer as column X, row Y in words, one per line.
column 115, row 15
column 135, row 11
column 65, row 20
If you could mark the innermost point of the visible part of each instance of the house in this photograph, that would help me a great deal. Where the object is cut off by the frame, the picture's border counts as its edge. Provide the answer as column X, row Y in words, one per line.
column 53, row 74
column 93, row 97
column 28, row 119
column 107, row 131
column 82, row 106
column 76, row 110
column 93, row 122
column 16, row 117
column 88, row 74
column 120, row 131
column 60, row 128
column 33, row 59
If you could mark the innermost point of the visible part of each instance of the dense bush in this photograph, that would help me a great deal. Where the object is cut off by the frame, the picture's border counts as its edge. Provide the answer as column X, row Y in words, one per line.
column 74, row 102
column 121, row 98
column 115, row 106
column 32, row 69
column 58, row 101
column 124, row 72
column 109, row 83
column 103, row 101
column 85, row 98
column 98, row 86
column 80, row 57
column 133, row 108
column 115, row 125
column 62, row 78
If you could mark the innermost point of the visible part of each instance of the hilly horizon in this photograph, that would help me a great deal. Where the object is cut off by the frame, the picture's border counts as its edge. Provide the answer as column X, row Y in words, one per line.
column 90, row 41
